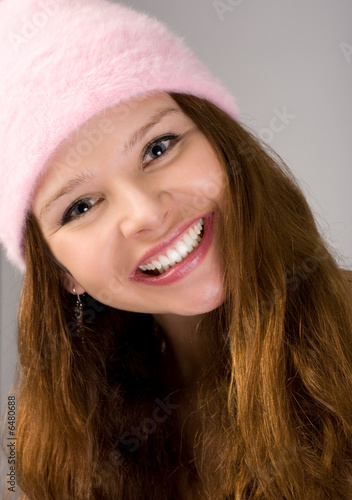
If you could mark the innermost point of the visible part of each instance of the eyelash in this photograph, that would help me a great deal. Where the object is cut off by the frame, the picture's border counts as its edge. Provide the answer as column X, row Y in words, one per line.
column 173, row 138
column 67, row 217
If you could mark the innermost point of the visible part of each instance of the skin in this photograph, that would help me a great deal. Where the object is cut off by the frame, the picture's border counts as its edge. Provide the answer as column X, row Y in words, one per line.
column 135, row 201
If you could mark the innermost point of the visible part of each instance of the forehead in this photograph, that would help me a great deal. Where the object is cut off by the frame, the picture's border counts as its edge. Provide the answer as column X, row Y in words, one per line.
column 114, row 129
column 121, row 119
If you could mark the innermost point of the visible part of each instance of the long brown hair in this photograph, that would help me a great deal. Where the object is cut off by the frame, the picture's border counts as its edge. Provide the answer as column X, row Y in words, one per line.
column 100, row 409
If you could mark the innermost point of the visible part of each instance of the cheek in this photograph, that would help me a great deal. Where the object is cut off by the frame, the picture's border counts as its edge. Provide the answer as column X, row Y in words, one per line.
column 81, row 258
column 206, row 184
column 111, row 292
column 91, row 265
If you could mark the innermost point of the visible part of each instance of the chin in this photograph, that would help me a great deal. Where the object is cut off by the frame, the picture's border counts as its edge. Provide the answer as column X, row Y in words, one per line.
column 197, row 306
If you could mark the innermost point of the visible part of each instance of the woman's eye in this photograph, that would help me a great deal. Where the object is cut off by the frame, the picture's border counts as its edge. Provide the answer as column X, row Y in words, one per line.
column 159, row 147
column 78, row 208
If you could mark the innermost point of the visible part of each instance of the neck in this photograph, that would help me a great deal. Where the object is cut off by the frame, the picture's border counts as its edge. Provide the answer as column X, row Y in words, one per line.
column 182, row 335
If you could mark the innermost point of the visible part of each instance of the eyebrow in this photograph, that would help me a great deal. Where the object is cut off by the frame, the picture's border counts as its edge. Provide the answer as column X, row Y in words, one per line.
column 128, row 146
column 138, row 136
column 66, row 189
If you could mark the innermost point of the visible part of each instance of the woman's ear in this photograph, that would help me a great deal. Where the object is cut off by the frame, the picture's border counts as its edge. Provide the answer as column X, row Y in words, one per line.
column 68, row 280
column 71, row 285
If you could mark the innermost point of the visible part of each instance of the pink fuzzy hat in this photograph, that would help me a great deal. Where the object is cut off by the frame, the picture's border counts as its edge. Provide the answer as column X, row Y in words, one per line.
column 63, row 61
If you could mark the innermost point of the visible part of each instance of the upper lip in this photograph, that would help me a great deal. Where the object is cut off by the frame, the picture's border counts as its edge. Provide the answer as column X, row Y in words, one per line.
column 157, row 249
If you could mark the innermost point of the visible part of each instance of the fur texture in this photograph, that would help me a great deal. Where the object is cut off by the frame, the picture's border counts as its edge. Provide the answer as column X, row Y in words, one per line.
column 61, row 62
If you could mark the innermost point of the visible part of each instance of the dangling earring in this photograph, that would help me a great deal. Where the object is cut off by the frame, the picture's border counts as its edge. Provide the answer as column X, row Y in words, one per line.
column 79, row 314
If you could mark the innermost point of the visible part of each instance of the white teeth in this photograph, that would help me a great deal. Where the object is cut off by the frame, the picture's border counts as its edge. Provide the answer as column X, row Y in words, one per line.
column 164, row 260
column 189, row 241
column 189, row 247
column 173, row 256
column 184, row 246
column 192, row 233
column 156, row 264
column 165, row 263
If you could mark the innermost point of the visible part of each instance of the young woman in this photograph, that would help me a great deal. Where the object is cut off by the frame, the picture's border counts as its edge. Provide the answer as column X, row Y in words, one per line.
column 184, row 331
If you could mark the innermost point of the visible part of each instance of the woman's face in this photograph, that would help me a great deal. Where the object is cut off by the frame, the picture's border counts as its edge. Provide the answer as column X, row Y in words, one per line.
column 135, row 188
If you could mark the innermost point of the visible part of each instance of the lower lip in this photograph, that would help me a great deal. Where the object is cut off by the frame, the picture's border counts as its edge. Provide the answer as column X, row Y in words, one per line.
column 180, row 270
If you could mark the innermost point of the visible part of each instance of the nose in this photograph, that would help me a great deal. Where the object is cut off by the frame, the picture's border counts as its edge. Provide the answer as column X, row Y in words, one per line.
column 143, row 211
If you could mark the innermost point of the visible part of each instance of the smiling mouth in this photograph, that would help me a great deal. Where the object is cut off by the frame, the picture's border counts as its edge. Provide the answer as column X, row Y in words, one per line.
column 176, row 253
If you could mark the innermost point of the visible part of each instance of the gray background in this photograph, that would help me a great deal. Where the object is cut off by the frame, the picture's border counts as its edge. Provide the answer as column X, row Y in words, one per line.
column 272, row 55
